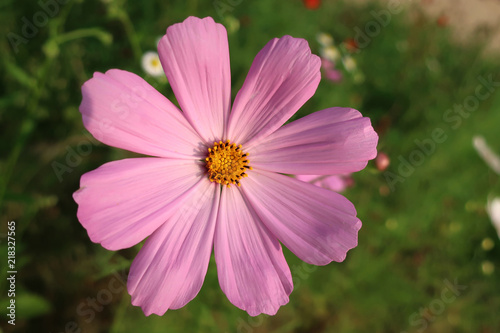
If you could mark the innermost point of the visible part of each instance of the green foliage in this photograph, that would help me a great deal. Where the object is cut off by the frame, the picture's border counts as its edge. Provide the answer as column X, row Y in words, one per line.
column 416, row 238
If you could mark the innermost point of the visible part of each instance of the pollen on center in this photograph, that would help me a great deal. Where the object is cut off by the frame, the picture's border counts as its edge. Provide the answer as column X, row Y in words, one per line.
column 227, row 163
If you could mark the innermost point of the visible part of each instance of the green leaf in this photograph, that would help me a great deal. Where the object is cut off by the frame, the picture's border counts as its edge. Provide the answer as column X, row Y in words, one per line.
column 27, row 305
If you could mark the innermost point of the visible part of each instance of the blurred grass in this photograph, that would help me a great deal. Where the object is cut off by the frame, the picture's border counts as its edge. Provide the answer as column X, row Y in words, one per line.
column 428, row 230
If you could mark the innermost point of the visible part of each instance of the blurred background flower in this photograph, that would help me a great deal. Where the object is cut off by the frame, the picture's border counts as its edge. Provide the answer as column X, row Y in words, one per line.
column 493, row 209
column 232, row 24
column 382, row 161
column 312, row 4
column 331, row 55
column 337, row 183
column 151, row 64
column 329, row 70
column 486, row 153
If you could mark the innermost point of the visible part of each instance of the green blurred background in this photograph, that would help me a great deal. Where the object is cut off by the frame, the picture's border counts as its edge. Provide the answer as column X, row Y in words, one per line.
column 425, row 227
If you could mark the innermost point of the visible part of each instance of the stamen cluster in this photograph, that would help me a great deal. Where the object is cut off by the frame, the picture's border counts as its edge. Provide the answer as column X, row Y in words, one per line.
column 227, row 163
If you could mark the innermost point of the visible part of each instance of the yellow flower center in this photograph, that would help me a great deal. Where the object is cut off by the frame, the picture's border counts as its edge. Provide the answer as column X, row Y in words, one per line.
column 155, row 62
column 227, row 163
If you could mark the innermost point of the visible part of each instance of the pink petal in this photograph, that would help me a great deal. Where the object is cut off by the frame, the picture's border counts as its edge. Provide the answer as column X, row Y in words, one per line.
column 331, row 141
column 122, row 110
column 195, row 57
column 252, row 270
column 123, row 202
column 308, row 178
column 337, row 183
column 317, row 225
column 283, row 76
column 170, row 268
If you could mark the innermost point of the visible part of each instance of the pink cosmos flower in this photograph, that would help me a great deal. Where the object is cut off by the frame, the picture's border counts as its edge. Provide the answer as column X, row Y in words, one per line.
column 331, row 73
column 216, row 176
column 337, row 183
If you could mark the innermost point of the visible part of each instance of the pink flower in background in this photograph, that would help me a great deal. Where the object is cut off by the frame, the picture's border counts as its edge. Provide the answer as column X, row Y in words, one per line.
column 330, row 72
column 337, row 183
column 331, row 56
column 215, row 180
column 382, row 161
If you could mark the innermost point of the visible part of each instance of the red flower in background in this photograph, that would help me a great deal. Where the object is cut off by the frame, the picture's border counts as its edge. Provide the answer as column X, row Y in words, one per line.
column 312, row 4
column 443, row 21
column 351, row 45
